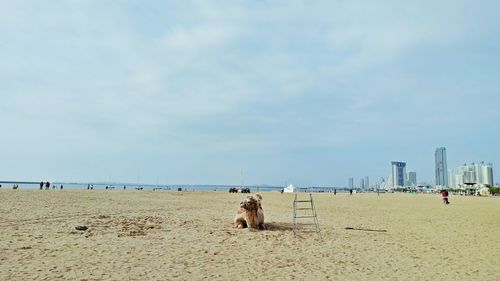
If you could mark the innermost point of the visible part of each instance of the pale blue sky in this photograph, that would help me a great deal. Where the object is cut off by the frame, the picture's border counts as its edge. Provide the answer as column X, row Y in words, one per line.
column 309, row 92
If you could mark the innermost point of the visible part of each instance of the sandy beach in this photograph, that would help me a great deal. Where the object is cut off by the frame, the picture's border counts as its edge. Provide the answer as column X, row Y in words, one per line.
column 158, row 235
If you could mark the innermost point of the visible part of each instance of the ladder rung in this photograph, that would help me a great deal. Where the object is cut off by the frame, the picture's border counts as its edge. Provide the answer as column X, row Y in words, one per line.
column 309, row 226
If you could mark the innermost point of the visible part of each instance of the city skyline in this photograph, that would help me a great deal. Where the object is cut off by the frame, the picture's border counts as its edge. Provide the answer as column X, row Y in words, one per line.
column 202, row 92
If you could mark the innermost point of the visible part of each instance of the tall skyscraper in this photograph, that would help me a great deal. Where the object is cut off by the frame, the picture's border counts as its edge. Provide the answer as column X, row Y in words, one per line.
column 367, row 182
column 441, row 167
column 398, row 173
column 362, row 183
column 351, row 183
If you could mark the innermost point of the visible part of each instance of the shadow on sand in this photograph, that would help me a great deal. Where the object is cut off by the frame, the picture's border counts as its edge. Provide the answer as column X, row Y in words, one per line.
column 278, row 226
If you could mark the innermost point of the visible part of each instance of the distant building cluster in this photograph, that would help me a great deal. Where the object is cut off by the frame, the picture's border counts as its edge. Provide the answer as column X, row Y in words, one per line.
column 473, row 177
column 400, row 177
column 478, row 174
column 364, row 183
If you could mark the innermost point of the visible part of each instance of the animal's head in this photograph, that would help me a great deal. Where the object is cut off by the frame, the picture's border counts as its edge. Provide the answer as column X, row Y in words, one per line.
column 250, row 204
column 258, row 197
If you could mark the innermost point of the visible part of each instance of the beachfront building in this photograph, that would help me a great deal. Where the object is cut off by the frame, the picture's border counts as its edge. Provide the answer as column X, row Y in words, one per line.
column 441, row 167
column 475, row 174
column 398, row 173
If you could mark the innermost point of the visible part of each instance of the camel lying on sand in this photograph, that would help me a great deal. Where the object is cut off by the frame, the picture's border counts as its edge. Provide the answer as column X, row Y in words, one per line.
column 250, row 214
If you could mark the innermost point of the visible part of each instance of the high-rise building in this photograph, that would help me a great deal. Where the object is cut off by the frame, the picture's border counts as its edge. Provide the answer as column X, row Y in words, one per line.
column 451, row 179
column 367, row 182
column 475, row 174
column 441, row 167
column 398, row 173
column 351, row 183
column 412, row 179
column 488, row 174
column 362, row 183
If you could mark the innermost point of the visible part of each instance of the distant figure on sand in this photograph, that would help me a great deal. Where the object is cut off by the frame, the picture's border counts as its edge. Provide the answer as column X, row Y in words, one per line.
column 47, row 185
column 335, row 191
column 444, row 195
column 61, row 186
column 41, row 185
column 350, row 191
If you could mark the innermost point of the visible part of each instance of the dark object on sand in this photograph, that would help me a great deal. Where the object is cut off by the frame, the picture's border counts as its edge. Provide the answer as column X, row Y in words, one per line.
column 366, row 229
column 239, row 190
column 81, row 227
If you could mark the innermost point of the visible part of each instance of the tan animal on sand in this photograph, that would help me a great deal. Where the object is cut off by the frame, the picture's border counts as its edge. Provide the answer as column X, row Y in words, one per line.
column 250, row 213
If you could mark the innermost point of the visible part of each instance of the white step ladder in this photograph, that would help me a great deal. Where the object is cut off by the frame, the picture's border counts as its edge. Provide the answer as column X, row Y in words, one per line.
column 304, row 210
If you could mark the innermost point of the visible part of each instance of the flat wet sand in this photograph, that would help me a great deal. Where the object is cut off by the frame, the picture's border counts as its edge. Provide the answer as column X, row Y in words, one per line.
column 158, row 235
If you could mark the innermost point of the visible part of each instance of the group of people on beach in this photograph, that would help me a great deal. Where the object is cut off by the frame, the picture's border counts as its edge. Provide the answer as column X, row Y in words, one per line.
column 47, row 185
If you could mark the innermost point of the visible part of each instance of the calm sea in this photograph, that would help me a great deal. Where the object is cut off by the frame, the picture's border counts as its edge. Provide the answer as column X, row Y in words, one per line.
column 133, row 186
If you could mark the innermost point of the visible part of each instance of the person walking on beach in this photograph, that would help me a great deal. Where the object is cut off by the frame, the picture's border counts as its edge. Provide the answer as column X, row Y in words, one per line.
column 41, row 185
column 335, row 191
column 350, row 191
column 47, row 185
column 444, row 195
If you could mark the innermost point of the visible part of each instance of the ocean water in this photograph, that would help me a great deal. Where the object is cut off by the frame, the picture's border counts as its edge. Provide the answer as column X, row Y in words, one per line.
column 133, row 186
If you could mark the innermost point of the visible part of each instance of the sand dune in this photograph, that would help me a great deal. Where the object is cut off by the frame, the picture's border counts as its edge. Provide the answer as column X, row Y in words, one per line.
column 155, row 235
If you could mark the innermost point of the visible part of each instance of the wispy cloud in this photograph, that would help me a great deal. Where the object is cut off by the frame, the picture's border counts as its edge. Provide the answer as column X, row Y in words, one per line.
column 199, row 82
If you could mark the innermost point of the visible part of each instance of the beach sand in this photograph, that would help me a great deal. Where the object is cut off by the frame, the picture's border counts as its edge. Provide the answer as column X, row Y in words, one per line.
column 159, row 235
